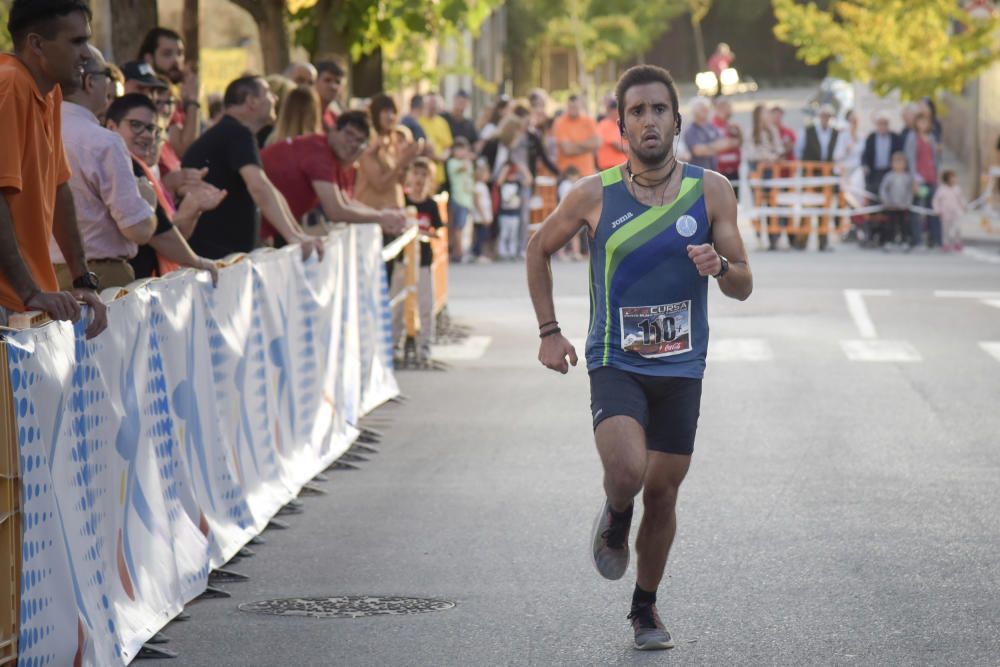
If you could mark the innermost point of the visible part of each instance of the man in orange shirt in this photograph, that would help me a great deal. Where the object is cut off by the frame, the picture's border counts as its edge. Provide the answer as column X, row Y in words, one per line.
column 50, row 50
column 576, row 139
column 610, row 154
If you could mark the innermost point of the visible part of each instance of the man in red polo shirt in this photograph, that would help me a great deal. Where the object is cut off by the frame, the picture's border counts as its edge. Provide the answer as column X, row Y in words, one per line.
column 318, row 170
column 50, row 51
column 727, row 162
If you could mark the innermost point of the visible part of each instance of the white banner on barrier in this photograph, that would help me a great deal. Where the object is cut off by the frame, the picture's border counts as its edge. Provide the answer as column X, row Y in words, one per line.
column 151, row 454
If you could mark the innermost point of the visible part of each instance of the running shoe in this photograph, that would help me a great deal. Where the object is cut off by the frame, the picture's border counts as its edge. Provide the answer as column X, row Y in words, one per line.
column 610, row 542
column 650, row 635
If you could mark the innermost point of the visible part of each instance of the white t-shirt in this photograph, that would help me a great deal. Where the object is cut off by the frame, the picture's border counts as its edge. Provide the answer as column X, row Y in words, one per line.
column 484, row 202
column 565, row 186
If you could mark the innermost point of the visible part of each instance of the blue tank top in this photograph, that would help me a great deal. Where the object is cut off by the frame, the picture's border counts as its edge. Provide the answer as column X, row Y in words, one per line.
column 648, row 305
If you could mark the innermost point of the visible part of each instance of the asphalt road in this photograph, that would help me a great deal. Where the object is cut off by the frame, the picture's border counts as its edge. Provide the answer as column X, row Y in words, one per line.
column 838, row 511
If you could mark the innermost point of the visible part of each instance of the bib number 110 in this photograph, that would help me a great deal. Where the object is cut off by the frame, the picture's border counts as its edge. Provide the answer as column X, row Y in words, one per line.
column 658, row 330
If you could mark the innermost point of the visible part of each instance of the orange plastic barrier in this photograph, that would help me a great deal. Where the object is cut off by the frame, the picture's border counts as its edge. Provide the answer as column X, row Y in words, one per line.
column 810, row 196
column 439, row 268
column 545, row 199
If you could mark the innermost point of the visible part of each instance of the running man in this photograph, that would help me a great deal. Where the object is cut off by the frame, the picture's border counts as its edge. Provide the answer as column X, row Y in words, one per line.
column 658, row 229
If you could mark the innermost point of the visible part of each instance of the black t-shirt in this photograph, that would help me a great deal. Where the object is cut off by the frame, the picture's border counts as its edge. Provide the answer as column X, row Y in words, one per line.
column 144, row 263
column 462, row 127
column 234, row 226
column 430, row 217
column 262, row 136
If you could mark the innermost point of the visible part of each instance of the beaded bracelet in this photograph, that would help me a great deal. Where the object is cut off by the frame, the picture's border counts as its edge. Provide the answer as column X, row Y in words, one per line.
column 542, row 326
column 550, row 332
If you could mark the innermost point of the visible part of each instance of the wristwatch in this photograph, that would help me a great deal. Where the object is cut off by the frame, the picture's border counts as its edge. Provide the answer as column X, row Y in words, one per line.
column 89, row 280
column 724, row 270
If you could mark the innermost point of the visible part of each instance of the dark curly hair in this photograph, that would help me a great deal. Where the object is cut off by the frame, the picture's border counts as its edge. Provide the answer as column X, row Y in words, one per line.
column 641, row 75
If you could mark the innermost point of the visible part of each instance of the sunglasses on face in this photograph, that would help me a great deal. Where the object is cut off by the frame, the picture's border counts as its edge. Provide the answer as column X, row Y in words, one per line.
column 138, row 127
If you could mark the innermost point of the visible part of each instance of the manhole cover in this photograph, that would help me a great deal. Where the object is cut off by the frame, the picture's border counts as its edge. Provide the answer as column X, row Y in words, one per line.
column 346, row 606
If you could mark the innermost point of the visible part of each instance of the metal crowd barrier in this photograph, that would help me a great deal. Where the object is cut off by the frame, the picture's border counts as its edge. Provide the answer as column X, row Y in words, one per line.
column 407, row 244
column 11, row 530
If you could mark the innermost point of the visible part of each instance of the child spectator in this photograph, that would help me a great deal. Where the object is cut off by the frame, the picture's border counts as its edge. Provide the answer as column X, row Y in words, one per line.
column 482, row 214
column 949, row 203
column 570, row 177
column 510, row 183
column 420, row 183
column 574, row 249
column 460, row 200
column 896, row 192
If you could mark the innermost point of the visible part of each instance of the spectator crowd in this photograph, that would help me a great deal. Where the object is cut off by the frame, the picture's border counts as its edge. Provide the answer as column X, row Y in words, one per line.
column 119, row 173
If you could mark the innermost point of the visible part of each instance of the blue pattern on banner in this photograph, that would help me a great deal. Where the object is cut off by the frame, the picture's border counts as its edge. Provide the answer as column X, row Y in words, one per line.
column 230, row 490
column 85, row 454
column 161, row 431
column 259, row 354
column 309, row 396
column 281, row 357
column 186, row 408
column 389, row 345
column 34, row 477
column 127, row 443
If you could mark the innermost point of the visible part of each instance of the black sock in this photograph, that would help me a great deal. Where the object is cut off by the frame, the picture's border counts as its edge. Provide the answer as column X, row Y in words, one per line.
column 641, row 597
column 622, row 516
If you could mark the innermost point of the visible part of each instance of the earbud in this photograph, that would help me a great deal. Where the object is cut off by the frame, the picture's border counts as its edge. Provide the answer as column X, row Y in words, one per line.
column 621, row 127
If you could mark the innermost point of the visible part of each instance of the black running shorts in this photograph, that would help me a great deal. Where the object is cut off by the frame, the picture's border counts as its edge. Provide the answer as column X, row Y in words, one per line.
column 666, row 407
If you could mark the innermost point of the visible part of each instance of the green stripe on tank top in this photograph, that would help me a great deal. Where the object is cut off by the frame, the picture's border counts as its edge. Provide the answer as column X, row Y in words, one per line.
column 651, row 223
column 621, row 246
column 611, row 176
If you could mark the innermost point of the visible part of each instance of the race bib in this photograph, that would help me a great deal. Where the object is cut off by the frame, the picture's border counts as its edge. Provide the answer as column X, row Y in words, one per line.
column 657, row 331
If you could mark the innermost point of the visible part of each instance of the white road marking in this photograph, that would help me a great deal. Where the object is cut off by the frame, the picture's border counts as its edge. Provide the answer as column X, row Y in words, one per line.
column 470, row 349
column 880, row 350
column 739, row 349
column 965, row 294
column 992, row 349
column 981, row 255
column 859, row 312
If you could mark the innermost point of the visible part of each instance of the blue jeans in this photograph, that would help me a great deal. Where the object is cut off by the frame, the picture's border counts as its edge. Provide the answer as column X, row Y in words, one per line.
column 481, row 236
column 933, row 222
column 457, row 216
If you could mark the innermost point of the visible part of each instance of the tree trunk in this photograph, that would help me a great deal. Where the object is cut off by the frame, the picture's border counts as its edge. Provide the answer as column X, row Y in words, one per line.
column 269, row 15
column 366, row 77
column 101, row 27
column 699, row 44
column 330, row 42
column 192, row 38
column 130, row 21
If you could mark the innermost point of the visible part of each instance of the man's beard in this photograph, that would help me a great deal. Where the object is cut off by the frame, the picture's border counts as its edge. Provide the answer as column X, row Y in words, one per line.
column 175, row 75
column 651, row 156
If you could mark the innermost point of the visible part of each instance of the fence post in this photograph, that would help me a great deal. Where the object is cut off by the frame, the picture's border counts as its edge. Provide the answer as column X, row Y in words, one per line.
column 411, row 311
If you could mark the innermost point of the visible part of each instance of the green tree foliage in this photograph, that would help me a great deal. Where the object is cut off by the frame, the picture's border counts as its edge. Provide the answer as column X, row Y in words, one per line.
column 5, row 44
column 602, row 31
column 918, row 47
column 403, row 29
